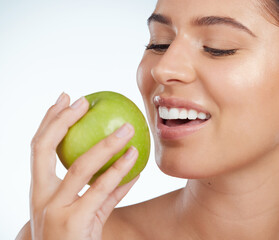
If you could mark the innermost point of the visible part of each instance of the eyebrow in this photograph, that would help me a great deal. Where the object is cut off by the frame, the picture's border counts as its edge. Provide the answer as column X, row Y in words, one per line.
column 203, row 21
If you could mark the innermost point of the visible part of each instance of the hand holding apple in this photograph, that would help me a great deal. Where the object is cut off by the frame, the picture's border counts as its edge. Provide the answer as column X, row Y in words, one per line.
column 107, row 112
column 56, row 209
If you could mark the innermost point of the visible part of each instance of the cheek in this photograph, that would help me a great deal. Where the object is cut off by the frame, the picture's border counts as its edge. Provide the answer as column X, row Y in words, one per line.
column 246, row 93
column 232, row 84
column 144, row 79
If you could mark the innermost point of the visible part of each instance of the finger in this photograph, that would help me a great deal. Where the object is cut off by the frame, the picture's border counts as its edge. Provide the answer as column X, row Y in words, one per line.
column 90, row 162
column 43, row 158
column 98, row 193
column 59, row 125
column 62, row 102
column 113, row 199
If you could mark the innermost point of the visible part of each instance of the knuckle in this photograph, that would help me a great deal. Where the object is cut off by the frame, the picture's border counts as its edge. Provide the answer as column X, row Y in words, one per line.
column 117, row 171
column 35, row 144
column 38, row 145
column 59, row 116
column 59, row 121
column 52, row 109
column 115, row 197
column 116, row 168
column 64, row 116
column 109, row 143
column 100, row 186
column 77, row 169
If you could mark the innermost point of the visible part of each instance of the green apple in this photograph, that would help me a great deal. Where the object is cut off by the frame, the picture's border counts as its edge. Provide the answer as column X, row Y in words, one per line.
column 107, row 112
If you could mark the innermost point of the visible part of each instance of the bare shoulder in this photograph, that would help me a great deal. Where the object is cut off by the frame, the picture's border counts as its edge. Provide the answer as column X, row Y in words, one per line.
column 142, row 221
column 25, row 232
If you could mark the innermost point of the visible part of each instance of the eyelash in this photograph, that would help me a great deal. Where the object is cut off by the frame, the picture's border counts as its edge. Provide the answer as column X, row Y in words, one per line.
column 212, row 51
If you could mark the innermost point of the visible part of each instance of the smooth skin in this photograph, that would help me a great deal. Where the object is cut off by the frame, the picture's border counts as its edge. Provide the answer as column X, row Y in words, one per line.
column 233, row 163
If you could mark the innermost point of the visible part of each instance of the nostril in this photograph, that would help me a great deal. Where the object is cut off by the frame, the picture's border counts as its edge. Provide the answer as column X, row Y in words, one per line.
column 173, row 81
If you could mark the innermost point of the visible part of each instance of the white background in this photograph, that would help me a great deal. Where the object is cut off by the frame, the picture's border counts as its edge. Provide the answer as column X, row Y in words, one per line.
column 79, row 47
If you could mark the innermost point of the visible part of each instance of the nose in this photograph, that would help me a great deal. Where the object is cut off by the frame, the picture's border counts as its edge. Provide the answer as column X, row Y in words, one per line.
column 175, row 65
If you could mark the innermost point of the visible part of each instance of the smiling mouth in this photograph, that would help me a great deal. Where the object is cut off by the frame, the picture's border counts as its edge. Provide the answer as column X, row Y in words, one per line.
column 179, row 118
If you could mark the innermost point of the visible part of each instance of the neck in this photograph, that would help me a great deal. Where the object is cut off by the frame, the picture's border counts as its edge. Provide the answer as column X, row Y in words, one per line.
column 241, row 205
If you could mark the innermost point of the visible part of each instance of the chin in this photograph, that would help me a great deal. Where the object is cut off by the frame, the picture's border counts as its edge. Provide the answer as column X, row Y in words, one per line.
column 184, row 167
column 177, row 162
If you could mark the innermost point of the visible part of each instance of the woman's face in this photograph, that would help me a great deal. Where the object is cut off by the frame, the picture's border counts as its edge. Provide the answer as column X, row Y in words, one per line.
column 238, row 87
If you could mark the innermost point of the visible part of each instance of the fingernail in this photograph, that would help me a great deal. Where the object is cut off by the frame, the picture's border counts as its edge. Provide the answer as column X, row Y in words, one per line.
column 123, row 131
column 77, row 103
column 130, row 153
column 60, row 98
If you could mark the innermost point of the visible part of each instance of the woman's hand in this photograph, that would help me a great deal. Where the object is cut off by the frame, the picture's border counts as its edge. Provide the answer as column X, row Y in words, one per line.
column 57, row 212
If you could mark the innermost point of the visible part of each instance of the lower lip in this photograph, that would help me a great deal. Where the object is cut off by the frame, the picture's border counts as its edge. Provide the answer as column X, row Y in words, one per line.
column 174, row 133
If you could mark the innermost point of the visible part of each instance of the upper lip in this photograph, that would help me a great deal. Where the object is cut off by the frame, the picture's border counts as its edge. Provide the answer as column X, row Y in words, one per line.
column 174, row 102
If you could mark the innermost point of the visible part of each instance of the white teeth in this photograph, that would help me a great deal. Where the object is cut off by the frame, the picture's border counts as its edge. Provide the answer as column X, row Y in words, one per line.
column 183, row 114
column 202, row 116
column 173, row 113
column 163, row 112
column 178, row 113
column 192, row 114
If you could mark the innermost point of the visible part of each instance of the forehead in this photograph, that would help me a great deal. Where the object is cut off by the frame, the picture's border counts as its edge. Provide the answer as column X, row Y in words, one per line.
column 181, row 11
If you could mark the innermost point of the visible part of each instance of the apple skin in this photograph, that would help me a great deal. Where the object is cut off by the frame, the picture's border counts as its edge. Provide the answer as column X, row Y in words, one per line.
column 107, row 112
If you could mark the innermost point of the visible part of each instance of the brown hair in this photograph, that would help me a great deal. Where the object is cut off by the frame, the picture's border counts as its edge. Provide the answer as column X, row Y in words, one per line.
column 271, row 8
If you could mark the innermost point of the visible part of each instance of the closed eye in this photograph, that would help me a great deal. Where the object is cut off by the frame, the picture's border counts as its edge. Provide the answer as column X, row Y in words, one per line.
column 160, row 48
column 219, row 52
